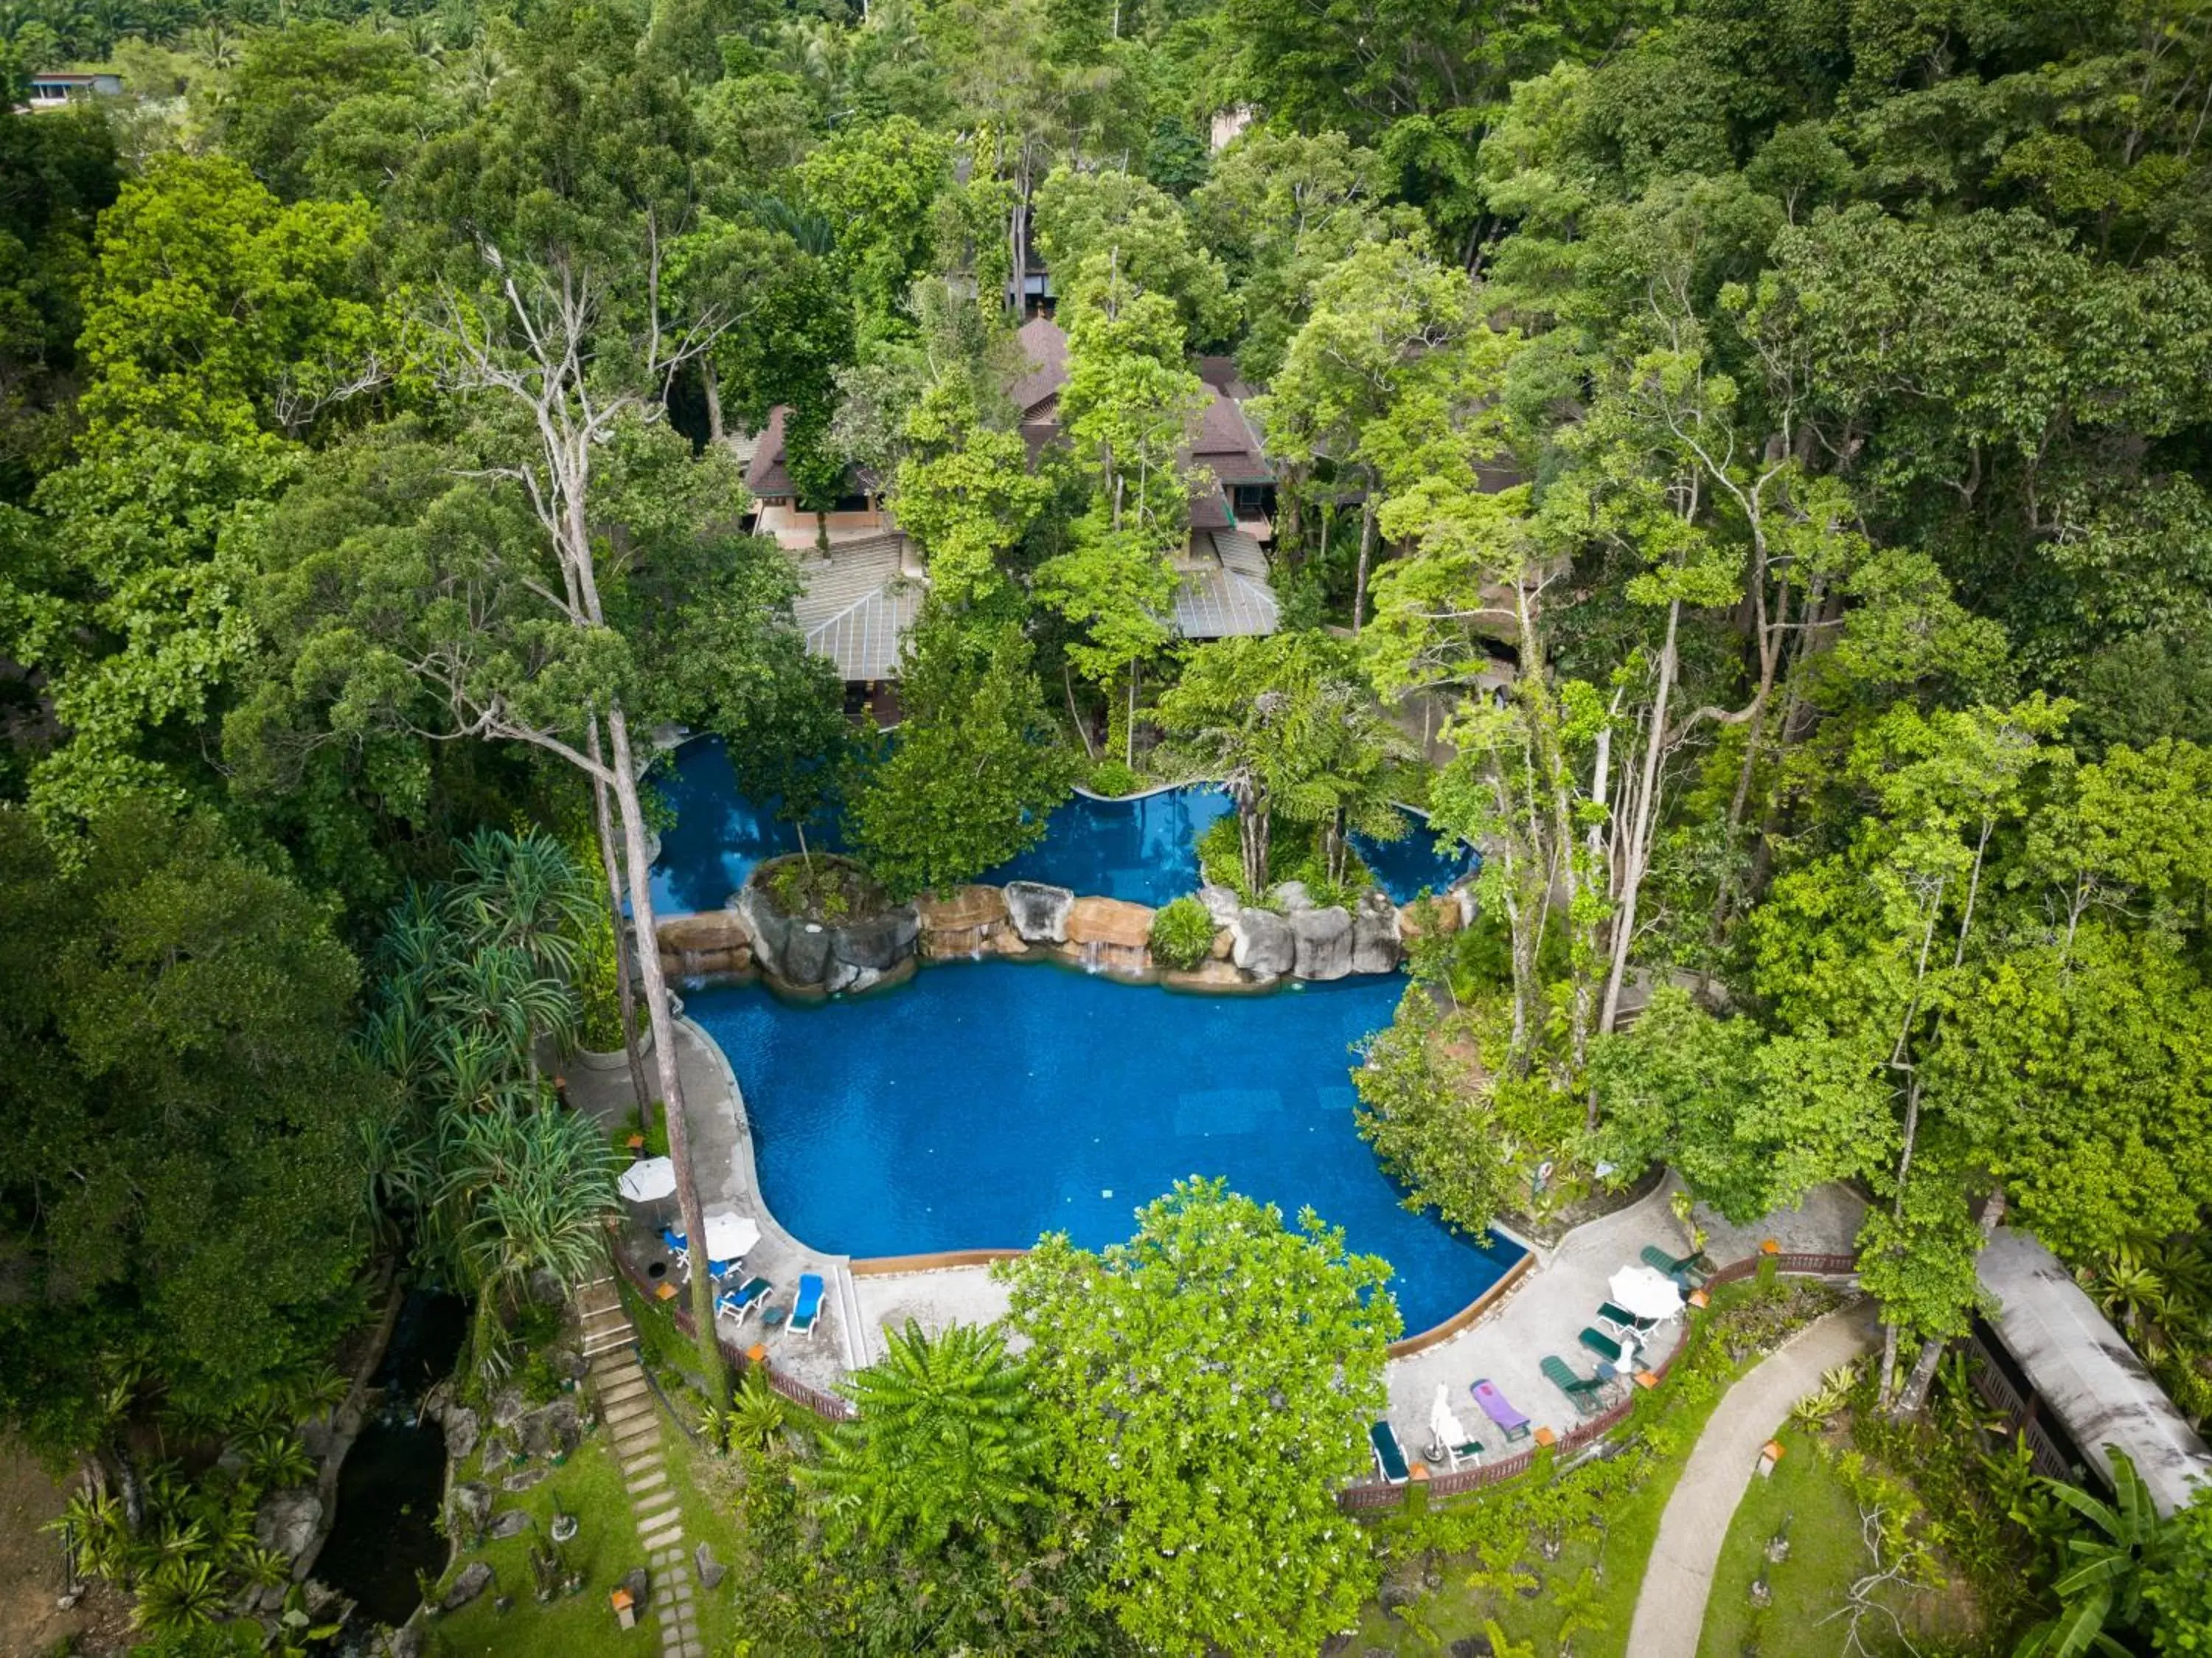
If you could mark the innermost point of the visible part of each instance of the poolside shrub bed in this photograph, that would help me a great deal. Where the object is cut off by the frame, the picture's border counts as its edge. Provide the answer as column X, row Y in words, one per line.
column 1182, row 933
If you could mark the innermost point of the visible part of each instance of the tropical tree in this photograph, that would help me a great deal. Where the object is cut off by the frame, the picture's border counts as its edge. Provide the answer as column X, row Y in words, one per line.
column 1150, row 1362
column 2105, row 1566
column 945, row 1442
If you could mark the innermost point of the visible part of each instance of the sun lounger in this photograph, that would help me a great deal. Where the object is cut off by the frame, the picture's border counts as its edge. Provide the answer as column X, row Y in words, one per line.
column 1499, row 1409
column 1581, row 1390
column 1465, row 1451
column 1614, row 1313
column 1680, row 1268
column 674, row 1241
column 736, row 1303
column 1602, row 1344
column 1390, row 1455
column 806, row 1309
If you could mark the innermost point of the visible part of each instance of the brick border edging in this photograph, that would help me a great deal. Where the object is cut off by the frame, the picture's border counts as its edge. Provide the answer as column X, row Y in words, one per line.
column 1370, row 1495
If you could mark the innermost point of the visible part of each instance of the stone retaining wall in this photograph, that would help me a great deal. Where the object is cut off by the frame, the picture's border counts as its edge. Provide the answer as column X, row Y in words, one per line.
column 1252, row 948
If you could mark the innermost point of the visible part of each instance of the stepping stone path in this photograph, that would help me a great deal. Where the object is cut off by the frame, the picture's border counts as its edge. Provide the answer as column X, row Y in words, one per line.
column 633, row 1419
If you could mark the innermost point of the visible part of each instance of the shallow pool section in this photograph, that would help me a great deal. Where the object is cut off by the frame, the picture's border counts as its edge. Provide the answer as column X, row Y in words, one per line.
column 1145, row 849
column 985, row 1103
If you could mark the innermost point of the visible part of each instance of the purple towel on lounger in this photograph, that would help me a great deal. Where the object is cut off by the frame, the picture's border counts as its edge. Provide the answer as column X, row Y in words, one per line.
column 1497, row 1407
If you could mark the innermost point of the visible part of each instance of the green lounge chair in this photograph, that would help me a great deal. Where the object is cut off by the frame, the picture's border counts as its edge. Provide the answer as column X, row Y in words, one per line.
column 1614, row 1313
column 1603, row 1345
column 1581, row 1390
column 1680, row 1268
column 1466, row 1451
column 1390, row 1455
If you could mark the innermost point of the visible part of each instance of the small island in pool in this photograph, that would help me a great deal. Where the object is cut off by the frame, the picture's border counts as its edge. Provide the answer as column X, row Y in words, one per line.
column 983, row 1105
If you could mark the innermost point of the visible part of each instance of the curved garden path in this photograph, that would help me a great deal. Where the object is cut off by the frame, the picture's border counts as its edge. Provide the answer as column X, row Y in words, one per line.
column 1670, row 1608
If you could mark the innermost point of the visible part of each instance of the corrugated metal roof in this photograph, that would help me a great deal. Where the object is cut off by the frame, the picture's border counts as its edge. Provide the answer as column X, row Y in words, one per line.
column 858, row 606
column 2088, row 1376
column 1215, row 601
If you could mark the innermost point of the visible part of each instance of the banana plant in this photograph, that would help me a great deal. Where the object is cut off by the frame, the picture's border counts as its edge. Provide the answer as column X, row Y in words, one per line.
column 2100, row 1584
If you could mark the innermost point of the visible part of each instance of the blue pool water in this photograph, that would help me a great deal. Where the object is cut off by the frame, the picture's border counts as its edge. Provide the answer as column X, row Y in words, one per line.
column 985, row 1103
column 1143, row 850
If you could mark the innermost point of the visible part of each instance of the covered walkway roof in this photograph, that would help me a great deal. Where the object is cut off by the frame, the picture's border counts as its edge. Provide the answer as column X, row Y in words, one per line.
column 2084, row 1373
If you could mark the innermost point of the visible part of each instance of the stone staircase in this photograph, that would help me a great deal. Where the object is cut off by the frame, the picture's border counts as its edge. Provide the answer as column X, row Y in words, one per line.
column 633, row 1419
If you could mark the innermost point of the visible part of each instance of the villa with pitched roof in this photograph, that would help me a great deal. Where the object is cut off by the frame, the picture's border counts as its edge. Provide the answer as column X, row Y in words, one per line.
column 864, row 588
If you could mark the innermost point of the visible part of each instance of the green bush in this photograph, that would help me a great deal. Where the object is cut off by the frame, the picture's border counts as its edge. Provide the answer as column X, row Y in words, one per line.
column 1112, row 777
column 1221, row 856
column 598, row 984
column 1183, row 934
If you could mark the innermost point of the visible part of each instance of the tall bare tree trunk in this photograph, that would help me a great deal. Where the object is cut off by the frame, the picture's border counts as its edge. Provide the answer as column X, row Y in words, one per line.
column 1635, row 855
column 1366, row 552
column 664, row 1053
column 714, row 389
column 623, row 964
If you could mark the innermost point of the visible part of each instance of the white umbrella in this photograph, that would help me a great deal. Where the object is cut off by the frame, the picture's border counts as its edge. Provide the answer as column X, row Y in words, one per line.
column 730, row 1234
column 1448, row 1430
column 647, row 1179
column 1646, row 1292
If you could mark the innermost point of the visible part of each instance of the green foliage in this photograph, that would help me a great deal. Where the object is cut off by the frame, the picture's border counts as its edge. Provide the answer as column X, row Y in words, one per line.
column 1224, row 1520
column 946, row 1441
column 185, row 1180
column 974, row 768
column 1110, row 776
column 1182, row 933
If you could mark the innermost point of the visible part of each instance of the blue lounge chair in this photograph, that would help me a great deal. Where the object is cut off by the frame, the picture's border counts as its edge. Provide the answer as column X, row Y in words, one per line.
column 807, row 1310
column 1390, row 1455
column 674, row 1242
column 736, row 1303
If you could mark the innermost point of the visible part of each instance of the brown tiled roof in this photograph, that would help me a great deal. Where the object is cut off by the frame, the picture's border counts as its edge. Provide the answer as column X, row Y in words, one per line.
column 764, row 474
column 1226, row 445
column 1044, row 345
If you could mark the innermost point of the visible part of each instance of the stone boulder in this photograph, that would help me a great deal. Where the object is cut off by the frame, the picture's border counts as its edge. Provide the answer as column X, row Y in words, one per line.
column 1291, row 896
column 1375, row 945
column 770, row 931
column 1442, row 917
column 878, row 942
column 555, row 1428
column 512, row 1523
column 509, row 1407
column 1208, row 976
column 1221, row 903
column 711, row 1571
column 1039, row 913
column 525, row 1479
column 844, row 976
column 1110, row 921
column 1263, row 946
column 287, row 1522
column 475, row 1579
column 805, row 954
column 1224, row 945
column 470, row 1503
column 713, row 943
column 1324, row 943
column 960, row 922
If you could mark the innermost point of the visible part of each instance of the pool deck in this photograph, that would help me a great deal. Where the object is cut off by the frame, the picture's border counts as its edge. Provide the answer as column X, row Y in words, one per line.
column 1540, row 1314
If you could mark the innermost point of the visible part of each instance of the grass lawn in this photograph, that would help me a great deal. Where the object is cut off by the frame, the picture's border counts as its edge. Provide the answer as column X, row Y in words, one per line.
column 588, row 1485
column 1827, row 1555
column 1598, row 1523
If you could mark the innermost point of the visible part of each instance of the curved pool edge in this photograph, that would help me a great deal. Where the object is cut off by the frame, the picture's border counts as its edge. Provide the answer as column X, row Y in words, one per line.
column 877, row 1266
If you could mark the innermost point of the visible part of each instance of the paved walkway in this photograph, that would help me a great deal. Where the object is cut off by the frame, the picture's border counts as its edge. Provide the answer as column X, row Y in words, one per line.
column 1670, row 1608
column 633, row 1421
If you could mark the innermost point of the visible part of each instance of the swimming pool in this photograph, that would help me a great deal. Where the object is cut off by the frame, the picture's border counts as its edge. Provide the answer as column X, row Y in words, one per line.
column 1143, row 850
column 985, row 1103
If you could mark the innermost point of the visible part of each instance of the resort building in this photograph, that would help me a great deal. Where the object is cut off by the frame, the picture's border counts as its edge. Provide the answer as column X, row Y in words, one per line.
column 56, row 88
column 864, row 579
column 2069, row 1382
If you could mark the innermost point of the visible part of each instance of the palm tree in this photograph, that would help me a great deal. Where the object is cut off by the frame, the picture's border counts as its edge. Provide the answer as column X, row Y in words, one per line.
column 499, row 996
column 526, row 1189
column 944, row 1441
column 522, row 893
column 2101, row 1586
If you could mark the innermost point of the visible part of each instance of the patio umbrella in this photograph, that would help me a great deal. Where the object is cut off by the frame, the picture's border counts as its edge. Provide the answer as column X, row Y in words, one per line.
column 730, row 1234
column 1646, row 1292
column 648, row 1179
column 1446, row 1428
